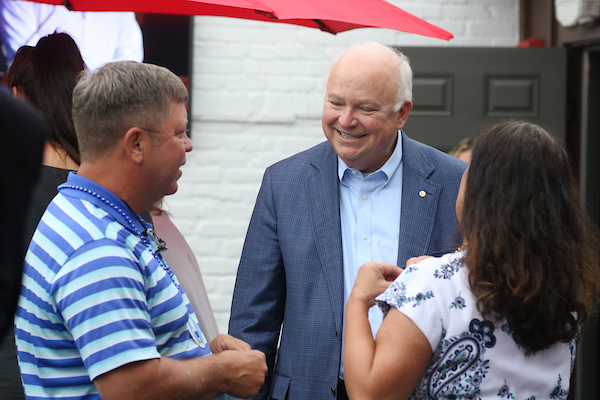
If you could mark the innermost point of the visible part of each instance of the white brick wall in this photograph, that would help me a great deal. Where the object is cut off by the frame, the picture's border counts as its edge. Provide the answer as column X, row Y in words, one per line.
column 257, row 98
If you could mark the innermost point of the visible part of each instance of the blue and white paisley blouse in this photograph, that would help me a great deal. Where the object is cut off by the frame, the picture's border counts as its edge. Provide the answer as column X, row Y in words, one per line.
column 472, row 358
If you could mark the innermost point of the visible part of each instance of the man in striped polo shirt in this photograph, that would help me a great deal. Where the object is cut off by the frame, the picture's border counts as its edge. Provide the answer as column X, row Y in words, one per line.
column 101, row 314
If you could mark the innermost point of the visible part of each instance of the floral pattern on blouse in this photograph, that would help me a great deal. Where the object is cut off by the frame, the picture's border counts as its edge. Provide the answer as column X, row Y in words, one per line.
column 447, row 271
column 459, row 303
column 505, row 392
column 398, row 298
column 559, row 393
column 461, row 365
column 410, row 269
column 458, row 366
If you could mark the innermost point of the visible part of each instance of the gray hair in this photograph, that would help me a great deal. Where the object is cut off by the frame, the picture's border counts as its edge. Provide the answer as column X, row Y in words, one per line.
column 404, row 75
column 119, row 96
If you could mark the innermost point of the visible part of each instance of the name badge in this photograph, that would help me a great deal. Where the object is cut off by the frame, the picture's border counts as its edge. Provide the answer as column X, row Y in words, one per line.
column 196, row 332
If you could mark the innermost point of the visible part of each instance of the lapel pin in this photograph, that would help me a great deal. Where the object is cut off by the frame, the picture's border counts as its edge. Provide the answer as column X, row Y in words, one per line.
column 422, row 193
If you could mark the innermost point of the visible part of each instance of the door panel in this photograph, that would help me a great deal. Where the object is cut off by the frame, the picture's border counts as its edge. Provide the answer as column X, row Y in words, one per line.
column 587, row 366
column 456, row 90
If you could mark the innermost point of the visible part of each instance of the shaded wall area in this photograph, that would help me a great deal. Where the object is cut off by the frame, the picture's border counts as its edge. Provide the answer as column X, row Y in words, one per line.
column 583, row 143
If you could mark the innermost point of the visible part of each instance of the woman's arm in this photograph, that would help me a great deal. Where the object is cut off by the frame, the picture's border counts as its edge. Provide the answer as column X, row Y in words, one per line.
column 391, row 366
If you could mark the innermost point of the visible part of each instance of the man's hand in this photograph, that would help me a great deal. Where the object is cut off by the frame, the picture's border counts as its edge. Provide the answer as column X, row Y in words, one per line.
column 372, row 279
column 415, row 260
column 226, row 342
column 244, row 368
column 245, row 371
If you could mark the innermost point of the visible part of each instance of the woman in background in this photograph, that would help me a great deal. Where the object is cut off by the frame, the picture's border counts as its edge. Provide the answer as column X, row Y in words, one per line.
column 463, row 150
column 44, row 76
column 183, row 263
column 499, row 318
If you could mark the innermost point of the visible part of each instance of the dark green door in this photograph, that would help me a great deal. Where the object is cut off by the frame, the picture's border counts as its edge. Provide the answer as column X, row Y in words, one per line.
column 458, row 89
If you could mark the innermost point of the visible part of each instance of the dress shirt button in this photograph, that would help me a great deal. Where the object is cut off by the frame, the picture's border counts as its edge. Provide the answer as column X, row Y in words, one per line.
column 354, row 171
column 365, row 237
column 365, row 197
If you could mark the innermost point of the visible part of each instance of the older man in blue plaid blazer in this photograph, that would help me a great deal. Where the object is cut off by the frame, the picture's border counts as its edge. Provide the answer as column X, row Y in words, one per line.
column 317, row 218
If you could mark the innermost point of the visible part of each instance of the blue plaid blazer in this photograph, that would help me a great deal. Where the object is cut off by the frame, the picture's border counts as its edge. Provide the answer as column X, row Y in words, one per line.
column 289, row 283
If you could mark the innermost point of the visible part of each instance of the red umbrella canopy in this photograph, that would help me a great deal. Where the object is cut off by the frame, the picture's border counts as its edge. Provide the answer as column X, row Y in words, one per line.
column 331, row 16
column 341, row 15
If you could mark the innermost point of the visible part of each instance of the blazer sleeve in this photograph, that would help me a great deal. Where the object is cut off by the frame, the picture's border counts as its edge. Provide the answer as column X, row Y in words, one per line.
column 259, row 295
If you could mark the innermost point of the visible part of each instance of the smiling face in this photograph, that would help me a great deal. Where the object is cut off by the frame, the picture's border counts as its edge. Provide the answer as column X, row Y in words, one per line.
column 358, row 117
column 168, row 154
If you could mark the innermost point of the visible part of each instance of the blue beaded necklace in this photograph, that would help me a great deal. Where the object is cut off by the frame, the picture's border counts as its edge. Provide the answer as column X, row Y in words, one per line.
column 156, row 246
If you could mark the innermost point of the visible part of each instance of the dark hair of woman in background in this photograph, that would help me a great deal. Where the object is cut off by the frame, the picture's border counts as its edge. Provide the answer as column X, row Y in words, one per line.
column 45, row 76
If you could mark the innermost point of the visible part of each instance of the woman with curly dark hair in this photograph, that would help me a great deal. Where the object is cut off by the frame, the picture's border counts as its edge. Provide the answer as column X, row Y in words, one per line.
column 499, row 318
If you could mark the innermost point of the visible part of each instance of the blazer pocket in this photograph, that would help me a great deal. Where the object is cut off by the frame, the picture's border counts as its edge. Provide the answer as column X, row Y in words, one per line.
column 280, row 387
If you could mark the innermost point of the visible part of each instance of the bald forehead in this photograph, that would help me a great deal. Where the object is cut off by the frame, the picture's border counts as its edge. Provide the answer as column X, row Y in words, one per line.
column 371, row 53
column 370, row 59
column 359, row 78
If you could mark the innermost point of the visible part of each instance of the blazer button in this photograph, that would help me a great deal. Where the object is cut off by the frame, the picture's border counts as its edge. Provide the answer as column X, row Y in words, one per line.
column 333, row 391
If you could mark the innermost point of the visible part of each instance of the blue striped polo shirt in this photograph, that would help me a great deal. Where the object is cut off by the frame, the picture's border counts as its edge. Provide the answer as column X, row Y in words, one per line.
column 96, row 295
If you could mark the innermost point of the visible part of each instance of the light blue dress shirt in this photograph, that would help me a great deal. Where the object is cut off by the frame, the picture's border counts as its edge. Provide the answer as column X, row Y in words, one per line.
column 370, row 215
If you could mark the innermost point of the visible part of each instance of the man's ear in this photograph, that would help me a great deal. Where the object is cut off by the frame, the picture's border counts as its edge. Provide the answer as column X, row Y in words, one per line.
column 133, row 143
column 403, row 113
column 18, row 93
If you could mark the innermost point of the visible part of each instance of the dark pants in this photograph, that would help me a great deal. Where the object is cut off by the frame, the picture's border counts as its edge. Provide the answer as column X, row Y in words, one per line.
column 341, row 390
column 10, row 378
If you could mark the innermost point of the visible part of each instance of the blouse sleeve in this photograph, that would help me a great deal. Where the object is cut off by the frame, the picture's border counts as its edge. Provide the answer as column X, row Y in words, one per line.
column 413, row 295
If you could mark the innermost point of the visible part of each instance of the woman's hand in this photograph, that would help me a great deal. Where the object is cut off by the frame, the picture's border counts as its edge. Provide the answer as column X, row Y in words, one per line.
column 373, row 279
column 415, row 260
